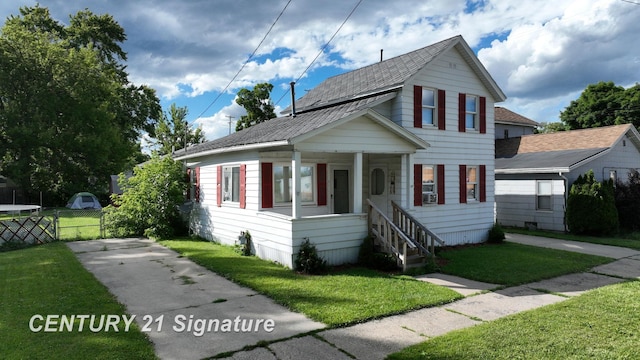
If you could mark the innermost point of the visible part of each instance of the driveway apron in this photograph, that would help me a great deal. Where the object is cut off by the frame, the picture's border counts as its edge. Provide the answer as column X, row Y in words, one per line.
column 187, row 311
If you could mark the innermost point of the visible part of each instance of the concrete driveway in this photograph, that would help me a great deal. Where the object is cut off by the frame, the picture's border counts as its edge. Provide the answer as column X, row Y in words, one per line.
column 187, row 311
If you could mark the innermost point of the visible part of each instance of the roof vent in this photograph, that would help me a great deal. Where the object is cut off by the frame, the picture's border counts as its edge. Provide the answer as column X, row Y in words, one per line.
column 293, row 99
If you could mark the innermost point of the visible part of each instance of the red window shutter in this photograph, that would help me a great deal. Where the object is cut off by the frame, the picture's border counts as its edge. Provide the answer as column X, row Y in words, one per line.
column 463, row 184
column 440, row 174
column 243, row 186
column 442, row 121
column 483, row 115
column 483, row 183
column 267, row 185
column 196, row 194
column 462, row 111
column 417, row 106
column 219, row 185
column 322, row 184
column 417, row 184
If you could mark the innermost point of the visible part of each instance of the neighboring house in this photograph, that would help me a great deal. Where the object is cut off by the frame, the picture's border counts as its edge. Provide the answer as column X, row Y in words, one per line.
column 534, row 173
column 414, row 133
column 510, row 124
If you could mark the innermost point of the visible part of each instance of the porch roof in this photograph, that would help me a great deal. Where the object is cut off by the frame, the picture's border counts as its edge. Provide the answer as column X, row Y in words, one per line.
column 290, row 130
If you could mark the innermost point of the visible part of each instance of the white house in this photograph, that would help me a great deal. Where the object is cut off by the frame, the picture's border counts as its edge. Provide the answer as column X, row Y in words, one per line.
column 403, row 149
column 510, row 124
column 534, row 173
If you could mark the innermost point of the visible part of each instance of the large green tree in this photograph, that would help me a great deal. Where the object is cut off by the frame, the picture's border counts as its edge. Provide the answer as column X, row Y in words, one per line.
column 69, row 117
column 257, row 103
column 603, row 104
column 173, row 131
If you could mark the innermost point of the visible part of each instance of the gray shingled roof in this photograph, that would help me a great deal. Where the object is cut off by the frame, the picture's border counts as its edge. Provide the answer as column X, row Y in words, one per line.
column 548, row 160
column 372, row 78
column 507, row 116
column 286, row 128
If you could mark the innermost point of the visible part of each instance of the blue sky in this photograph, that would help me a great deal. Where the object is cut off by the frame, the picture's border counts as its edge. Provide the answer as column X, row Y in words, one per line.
column 541, row 53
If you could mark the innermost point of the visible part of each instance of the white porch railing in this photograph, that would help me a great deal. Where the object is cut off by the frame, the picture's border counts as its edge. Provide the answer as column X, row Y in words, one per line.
column 424, row 238
column 389, row 236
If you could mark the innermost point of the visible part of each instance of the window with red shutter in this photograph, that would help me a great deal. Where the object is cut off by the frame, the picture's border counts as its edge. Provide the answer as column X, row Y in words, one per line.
column 483, row 183
column 442, row 121
column 417, row 184
column 463, row 183
column 440, row 183
column 483, row 115
column 219, row 185
column 417, row 106
column 243, row 186
column 462, row 99
column 322, row 184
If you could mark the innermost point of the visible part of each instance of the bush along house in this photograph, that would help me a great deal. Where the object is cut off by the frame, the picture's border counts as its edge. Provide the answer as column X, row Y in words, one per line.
column 402, row 150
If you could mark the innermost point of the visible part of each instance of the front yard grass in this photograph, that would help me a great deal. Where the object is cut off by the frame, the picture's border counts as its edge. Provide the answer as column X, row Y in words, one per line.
column 49, row 280
column 514, row 264
column 342, row 297
column 600, row 324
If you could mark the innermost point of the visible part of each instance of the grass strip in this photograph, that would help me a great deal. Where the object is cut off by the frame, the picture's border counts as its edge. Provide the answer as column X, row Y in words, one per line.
column 514, row 264
column 339, row 298
column 629, row 240
column 49, row 280
column 600, row 324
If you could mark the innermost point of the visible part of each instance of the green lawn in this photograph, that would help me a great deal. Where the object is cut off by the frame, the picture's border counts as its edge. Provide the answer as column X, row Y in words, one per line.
column 600, row 324
column 49, row 280
column 513, row 264
column 340, row 298
column 630, row 240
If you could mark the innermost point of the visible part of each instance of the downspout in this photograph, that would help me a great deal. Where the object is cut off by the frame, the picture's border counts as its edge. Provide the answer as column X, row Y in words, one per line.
column 566, row 196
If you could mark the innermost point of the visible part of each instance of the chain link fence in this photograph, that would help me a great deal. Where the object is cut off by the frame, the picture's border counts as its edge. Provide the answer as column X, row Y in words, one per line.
column 86, row 224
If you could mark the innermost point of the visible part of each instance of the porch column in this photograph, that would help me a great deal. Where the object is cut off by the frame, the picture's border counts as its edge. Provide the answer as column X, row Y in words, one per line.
column 407, row 190
column 357, row 182
column 296, row 206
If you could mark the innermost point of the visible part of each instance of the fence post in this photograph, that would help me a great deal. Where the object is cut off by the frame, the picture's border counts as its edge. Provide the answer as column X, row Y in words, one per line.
column 56, row 224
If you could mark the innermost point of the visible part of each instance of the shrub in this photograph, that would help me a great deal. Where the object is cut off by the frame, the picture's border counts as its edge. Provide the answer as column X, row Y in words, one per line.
column 308, row 261
column 150, row 201
column 369, row 258
column 628, row 202
column 496, row 234
column 591, row 206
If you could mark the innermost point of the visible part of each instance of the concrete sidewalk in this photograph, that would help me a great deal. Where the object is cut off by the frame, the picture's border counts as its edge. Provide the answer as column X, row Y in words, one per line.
column 152, row 280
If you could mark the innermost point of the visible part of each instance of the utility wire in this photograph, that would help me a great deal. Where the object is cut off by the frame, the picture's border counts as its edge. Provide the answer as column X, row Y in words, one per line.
column 322, row 50
column 247, row 61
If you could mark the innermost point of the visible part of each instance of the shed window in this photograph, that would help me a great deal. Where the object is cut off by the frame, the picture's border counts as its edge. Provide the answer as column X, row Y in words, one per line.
column 543, row 195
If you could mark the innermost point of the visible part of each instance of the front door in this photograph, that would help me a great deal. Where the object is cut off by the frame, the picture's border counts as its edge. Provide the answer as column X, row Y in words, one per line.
column 378, row 187
column 340, row 194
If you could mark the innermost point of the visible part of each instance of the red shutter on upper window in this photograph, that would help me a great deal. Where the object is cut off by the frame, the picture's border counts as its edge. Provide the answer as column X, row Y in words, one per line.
column 322, row 184
column 462, row 111
column 267, row 185
column 243, row 186
column 218, row 185
column 417, row 184
column 196, row 192
column 442, row 110
column 417, row 106
column 463, row 184
column 440, row 175
column 483, row 183
column 483, row 115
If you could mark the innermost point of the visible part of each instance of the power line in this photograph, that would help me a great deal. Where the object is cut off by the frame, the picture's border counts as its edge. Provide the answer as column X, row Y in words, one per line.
column 322, row 50
column 247, row 61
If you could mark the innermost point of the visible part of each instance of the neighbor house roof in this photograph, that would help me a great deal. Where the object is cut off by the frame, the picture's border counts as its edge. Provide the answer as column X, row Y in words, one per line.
column 506, row 116
column 560, row 151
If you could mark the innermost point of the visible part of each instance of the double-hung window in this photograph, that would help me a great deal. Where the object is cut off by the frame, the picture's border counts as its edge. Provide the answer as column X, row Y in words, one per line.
column 231, row 184
column 472, row 183
column 283, row 184
column 428, row 107
column 543, row 195
column 429, row 190
column 471, row 112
